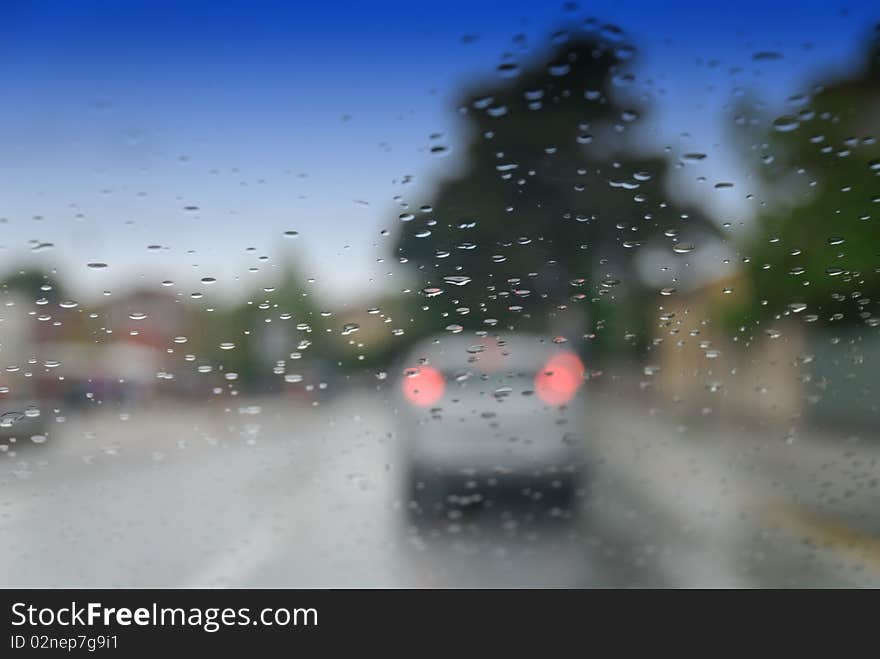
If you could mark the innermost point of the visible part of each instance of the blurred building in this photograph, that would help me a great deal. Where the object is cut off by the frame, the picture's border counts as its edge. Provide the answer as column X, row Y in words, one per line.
column 704, row 367
column 114, row 353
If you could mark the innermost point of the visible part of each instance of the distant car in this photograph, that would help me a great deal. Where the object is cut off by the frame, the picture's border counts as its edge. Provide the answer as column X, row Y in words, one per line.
column 489, row 421
column 23, row 419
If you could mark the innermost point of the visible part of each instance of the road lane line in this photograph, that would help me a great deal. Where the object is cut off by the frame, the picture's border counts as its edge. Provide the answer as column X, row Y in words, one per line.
column 828, row 532
column 234, row 564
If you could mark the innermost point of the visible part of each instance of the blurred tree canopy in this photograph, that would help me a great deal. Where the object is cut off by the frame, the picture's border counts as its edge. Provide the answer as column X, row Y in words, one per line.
column 553, row 200
column 271, row 324
column 34, row 284
column 818, row 252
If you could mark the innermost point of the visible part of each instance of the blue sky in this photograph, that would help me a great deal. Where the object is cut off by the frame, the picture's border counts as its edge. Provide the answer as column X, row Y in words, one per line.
column 272, row 116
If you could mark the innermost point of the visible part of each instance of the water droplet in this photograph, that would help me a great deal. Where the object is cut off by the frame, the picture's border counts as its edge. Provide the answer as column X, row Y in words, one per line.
column 767, row 56
column 7, row 419
column 786, row 123
column 508, row 69
column 558, row 69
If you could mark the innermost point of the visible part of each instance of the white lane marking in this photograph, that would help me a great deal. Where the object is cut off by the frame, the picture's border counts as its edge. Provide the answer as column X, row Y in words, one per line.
column 234, row 564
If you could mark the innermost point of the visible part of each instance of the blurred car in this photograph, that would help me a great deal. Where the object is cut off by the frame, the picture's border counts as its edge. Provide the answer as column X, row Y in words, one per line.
column 23, row 418
column 488, row 421
column 24, row 406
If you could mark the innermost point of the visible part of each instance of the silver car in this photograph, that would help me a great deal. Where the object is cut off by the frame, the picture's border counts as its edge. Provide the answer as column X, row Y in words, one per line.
column 23, row 422
column 490, row 421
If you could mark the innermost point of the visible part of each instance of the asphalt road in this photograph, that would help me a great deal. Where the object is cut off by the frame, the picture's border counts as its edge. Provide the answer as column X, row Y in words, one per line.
column 273, row 493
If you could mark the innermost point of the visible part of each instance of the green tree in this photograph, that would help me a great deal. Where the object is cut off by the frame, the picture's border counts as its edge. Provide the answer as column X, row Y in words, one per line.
column 34, row 284
column 817, row 253
column 553, row 200
column 266, row 327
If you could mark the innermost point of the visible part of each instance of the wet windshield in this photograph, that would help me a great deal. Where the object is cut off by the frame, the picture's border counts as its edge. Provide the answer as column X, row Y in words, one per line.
column 437, row 294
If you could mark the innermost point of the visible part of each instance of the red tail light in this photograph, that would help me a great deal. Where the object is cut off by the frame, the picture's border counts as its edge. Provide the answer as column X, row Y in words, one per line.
column 423, row 386
column 560, row 378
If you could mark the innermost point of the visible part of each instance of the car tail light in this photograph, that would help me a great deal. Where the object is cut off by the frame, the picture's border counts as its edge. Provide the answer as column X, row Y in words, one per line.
column 423, row 386
column 560, row 378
